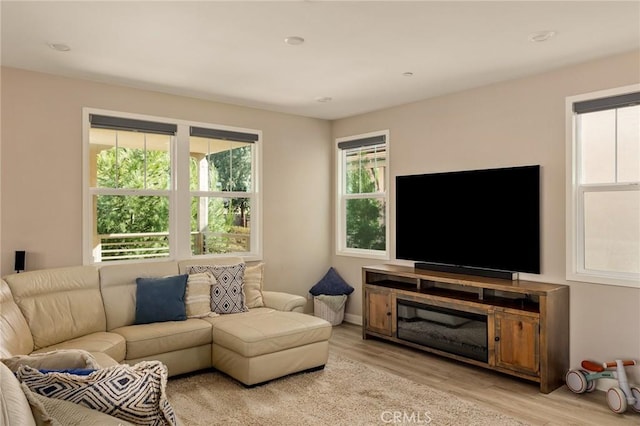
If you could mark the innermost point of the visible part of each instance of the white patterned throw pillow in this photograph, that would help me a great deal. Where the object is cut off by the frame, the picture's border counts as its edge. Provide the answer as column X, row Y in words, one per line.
column 198, row 295
column 132, row 393
column 253, row 286
column 227, row 296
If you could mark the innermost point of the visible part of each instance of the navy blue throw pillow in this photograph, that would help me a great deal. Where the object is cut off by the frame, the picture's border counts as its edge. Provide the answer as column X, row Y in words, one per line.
column 331, row 284
column 160, row 299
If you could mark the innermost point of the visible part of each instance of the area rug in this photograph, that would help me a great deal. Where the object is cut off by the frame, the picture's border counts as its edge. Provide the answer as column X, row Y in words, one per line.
column 346, row 392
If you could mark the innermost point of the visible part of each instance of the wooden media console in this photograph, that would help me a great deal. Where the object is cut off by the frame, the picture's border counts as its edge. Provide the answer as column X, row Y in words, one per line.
column 515, row 327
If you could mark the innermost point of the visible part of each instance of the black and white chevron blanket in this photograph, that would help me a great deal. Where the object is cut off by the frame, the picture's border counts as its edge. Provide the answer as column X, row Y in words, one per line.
column 132, row 393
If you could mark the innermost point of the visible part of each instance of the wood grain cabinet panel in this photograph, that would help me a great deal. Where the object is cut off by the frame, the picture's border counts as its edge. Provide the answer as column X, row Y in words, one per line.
column 517, row 339
column 378, row 306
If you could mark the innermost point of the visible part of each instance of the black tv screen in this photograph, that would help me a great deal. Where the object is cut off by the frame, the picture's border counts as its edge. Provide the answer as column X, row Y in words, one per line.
column 477, row 218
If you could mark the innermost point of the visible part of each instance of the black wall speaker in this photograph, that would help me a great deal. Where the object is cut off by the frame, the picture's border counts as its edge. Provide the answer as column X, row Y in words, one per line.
column 20, row 255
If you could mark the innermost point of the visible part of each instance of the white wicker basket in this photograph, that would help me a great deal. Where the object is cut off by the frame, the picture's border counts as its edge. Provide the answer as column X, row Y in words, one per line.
column 320, row 309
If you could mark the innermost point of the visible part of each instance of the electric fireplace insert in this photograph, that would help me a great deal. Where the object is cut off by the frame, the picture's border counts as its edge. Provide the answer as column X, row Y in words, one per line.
column 457, row 332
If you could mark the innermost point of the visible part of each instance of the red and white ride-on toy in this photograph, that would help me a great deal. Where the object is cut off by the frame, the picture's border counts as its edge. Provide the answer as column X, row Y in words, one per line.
column 618, row 397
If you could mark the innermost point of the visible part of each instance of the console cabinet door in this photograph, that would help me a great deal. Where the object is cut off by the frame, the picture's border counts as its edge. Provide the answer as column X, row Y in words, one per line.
column 378, row 305
column 516, row 345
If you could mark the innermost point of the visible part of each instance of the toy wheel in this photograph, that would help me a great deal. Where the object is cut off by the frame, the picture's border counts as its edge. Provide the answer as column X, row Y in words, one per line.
column 617, row 400
column 591, row 384
column 635, row 392
column 576, row 381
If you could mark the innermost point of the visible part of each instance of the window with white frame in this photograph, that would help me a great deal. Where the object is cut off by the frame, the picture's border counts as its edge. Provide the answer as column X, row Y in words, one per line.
column 362, row 204
column 221, row 185
column 163, row 188
column 603, row 221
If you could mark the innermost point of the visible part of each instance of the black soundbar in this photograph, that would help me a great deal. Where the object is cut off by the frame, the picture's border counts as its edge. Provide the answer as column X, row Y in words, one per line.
column 468, row 270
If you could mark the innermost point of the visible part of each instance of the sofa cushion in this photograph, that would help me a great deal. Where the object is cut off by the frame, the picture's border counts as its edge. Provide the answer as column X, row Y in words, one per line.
column 59, row 304
column 197, row 298
column 160, row 299
column 15, row 336
column 14, row 406
column 133, row 393
column 182, row 361
column 118, row 286
column 253, row 335
column 53, row 360
column 253, row 277
column 110, row 344
column 147, row 340
column 284, row 301
column 227, row 295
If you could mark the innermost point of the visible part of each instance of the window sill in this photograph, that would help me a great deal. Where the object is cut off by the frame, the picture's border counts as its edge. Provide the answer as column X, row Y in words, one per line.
column 364, row 254
column 631, row 282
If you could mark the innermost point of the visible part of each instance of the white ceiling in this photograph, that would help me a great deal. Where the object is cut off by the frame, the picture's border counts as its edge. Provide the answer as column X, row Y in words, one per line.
column 354, row 52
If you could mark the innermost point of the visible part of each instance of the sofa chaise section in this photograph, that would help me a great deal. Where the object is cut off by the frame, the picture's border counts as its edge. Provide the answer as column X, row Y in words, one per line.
column 257, row 347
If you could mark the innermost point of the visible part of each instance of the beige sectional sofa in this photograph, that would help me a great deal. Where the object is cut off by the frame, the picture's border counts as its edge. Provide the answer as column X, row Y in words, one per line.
column 93, row 309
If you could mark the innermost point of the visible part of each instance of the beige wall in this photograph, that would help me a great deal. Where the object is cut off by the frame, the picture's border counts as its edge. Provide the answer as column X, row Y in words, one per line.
column 513, row 123
column 518, row 122
column 41, row 172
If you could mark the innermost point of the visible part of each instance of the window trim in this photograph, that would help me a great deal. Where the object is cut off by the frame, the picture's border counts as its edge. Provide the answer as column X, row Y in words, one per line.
column 574, row 219
column 179, row 193
column 340, row 211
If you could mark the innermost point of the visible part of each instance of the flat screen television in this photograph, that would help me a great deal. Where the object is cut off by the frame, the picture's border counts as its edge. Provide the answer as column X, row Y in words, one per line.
column 488, row 219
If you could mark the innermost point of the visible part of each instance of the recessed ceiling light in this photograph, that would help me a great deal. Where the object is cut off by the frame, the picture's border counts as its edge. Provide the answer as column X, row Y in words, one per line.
column 294, row 40
column 324, row 99
column 407, row 74
column 539, row 36
column 60, row 47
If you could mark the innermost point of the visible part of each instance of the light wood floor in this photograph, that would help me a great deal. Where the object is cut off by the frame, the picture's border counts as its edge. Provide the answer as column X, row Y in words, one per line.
column 512, row 396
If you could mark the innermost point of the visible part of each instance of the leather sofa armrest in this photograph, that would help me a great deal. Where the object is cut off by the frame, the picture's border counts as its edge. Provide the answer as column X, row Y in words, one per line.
column 283, row 301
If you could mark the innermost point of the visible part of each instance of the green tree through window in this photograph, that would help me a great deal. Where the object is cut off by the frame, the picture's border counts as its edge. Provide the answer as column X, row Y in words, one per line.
column 132, row 169
column 233, row 171
column 221, row 218
column 361, row 226
column 365, row 216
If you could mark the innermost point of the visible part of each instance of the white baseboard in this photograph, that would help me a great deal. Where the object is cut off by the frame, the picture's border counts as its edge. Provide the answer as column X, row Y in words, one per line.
column 353, row 319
